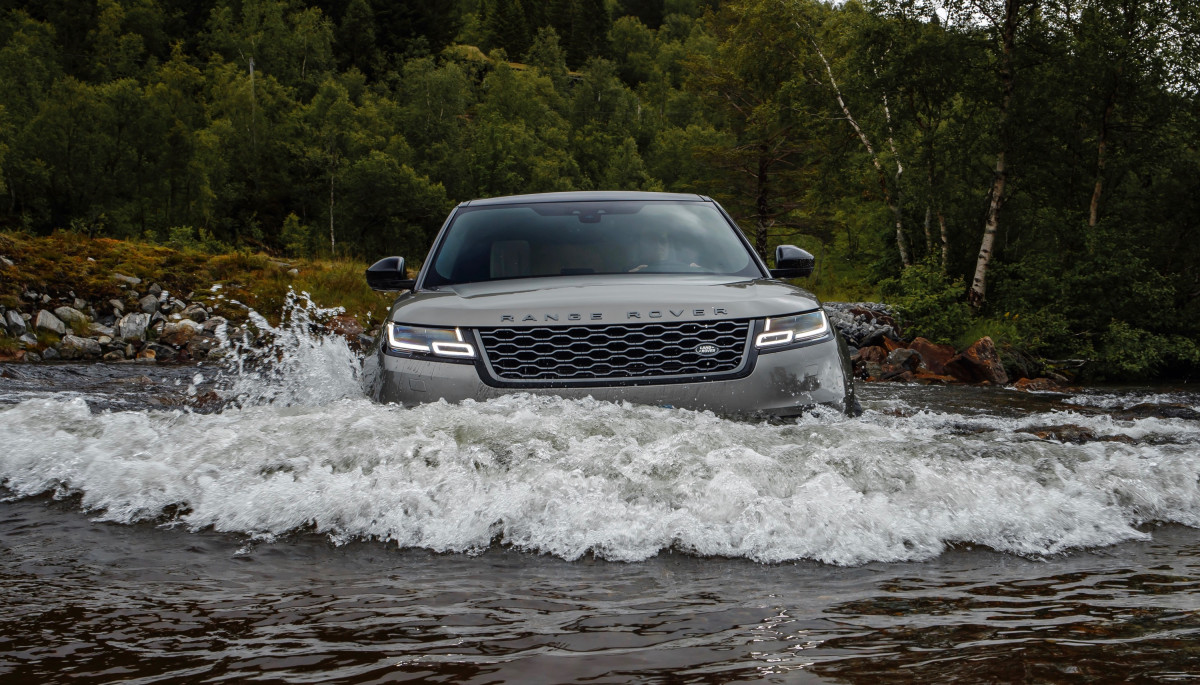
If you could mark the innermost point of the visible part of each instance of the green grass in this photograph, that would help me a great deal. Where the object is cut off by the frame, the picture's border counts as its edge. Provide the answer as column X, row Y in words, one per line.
column 64, row 262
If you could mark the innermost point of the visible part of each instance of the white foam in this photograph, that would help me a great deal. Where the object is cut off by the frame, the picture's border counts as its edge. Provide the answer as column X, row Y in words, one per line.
column 301, row 449
column 575, row 477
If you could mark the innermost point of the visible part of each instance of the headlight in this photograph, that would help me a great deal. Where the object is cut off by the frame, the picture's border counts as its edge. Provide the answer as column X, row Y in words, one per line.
column 786, row 330
column 439, row 342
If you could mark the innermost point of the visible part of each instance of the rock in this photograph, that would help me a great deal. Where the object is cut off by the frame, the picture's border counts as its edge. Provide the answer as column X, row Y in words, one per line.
column 30, row 295
column 133, row 326
column 933, row 356
column 146, row 356
column 161, row 353
column 873, row 353
column 6, row 261
column 154, row 289
column 33, row 357
column 978, row 363
column 71, row 316
column 212, row 324
column 196, row 313
column 1035, row 385
column 906, row 359
column 926, row 378
column 114, row 356
column 200, row 346
column 293, row 272
column 148, row 304
column 118, row 306
column 12, row 355
column 49, row 322
column 49, row 353
column 177, row 333
column 16, row 325
column 130, row 280
column 74, row 347
column 1160, row 411
column 872, row 371
column 27, row 339
column 101, row 329
column 80, row 304
column 45, row 299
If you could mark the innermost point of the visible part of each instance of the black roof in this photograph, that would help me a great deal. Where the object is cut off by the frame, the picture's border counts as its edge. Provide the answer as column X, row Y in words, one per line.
column 587, row 196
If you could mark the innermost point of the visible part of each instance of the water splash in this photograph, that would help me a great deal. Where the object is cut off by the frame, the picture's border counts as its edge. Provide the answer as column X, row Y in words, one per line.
column 300, row 449
column 299, row 362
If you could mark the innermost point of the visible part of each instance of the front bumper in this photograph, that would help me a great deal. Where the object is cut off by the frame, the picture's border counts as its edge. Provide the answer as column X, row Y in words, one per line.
column 782, row 383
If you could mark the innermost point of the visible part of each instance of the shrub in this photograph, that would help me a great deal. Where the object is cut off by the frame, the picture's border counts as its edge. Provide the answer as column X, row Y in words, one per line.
column 931, row 304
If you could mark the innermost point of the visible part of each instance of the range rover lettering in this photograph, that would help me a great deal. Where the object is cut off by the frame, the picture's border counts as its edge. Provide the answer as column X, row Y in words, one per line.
column 651, row 298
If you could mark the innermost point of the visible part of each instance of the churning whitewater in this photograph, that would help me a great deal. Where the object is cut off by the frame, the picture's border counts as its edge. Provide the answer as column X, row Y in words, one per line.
column 298, row 449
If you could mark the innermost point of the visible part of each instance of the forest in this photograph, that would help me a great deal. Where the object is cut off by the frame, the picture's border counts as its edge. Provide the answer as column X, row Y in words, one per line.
column 1025, row 169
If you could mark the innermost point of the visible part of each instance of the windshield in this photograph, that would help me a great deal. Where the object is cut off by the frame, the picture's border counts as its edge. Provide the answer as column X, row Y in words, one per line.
column 493, row 242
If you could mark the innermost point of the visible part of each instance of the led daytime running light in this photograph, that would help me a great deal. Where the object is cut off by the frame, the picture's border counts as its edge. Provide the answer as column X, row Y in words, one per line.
column 421, row 340
column 792, row 329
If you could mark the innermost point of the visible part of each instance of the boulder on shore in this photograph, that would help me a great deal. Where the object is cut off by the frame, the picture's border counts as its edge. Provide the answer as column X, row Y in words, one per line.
column 46, row 321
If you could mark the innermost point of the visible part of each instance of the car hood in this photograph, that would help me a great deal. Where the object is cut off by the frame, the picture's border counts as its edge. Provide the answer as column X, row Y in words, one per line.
column 571, row 300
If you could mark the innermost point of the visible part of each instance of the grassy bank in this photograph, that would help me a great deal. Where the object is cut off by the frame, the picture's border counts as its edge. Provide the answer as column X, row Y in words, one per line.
column 66, row 262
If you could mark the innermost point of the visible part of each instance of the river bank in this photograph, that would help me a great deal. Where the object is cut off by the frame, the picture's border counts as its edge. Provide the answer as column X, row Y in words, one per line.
column 71, row 297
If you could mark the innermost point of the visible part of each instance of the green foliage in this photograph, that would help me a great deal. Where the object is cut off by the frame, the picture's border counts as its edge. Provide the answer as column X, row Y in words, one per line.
column 352, row 126
column 1128, row 353
column 932, row 305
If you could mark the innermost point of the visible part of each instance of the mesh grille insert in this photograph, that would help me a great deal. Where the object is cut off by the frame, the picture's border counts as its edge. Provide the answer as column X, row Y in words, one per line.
column 618, row 351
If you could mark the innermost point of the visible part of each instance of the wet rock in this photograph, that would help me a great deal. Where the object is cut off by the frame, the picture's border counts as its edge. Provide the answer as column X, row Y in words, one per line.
column 212, row 324
column 74, row 347
column 12, row 355
column 926, row 378
column 1035, row 385
column 1074, row 434
column 15, row 324
column 1159, row 411
column 128, row 280
column 133, row 326
column 979, row 363
column 49, row 353
column 148, row 304
column 933, row 356
column 906, row 359
column 33, row 357
column 161, row 353
column 114, row 356
column 873, row 354
column 178, row 333
column 49, row 322
column 71, row 316
column 146, row 356
column 200, row 346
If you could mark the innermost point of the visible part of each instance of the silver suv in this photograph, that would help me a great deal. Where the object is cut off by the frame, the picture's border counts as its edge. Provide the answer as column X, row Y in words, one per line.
column 654, row 298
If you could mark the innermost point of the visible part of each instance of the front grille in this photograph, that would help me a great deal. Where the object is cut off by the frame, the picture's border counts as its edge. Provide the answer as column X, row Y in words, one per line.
column 656, row 350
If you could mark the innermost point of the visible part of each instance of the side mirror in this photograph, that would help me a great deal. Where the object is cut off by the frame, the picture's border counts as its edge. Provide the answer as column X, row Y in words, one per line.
column 388, row 274
column 792, row 262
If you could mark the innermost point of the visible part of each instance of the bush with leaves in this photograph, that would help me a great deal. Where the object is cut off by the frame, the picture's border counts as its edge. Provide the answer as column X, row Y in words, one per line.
column 931, row 304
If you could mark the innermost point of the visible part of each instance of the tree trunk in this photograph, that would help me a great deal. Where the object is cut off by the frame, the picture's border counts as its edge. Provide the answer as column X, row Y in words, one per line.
column 901, row 245
column 332, row 242
column 945, row 241
column 762, row 219
column 978, row 293
column 1101, row 158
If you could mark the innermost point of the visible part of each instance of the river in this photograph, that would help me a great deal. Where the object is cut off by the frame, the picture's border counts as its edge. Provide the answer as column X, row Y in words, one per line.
column 194, row 524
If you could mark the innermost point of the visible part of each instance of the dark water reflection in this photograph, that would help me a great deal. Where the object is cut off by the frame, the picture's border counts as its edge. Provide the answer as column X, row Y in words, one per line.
column 93, row 602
